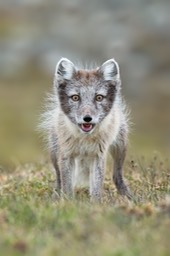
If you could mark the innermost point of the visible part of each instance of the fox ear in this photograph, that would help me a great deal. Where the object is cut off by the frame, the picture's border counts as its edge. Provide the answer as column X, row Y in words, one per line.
column 65, row 69
column 110, row 70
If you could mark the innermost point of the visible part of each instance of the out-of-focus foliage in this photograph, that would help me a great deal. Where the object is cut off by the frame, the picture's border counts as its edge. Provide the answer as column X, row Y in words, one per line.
column 35, row 34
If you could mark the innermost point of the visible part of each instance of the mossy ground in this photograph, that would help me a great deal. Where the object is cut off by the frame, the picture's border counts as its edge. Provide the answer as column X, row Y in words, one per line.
column 34, row 222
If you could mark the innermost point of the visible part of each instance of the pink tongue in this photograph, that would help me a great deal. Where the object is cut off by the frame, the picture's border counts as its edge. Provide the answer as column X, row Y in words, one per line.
column 86, row 127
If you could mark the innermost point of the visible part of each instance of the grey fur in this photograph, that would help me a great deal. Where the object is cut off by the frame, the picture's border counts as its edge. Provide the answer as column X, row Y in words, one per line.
column 79, row 156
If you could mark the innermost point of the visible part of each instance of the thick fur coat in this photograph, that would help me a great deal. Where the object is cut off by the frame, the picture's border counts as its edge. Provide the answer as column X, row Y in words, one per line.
column 87, row 119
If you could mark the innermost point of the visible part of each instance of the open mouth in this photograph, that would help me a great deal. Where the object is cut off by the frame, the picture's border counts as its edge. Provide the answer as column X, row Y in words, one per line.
column 86, row 127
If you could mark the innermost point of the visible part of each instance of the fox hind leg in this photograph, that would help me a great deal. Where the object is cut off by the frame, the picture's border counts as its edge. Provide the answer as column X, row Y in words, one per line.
column 54, row 159
column 57, row 170
column 118, row 152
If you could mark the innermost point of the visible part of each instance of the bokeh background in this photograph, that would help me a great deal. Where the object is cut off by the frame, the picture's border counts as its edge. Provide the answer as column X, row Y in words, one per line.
column 35, row 34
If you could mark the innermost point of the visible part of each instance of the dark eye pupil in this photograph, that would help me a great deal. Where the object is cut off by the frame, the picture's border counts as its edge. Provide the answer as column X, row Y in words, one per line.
column 75, row 97
column 99, row 97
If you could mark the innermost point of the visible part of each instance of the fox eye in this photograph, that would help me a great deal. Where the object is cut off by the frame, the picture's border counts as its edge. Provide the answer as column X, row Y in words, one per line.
column 75, row 97
column 99, row 97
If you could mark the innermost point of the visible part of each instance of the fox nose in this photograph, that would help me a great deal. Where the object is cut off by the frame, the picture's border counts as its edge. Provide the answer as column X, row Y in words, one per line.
column 87, row 118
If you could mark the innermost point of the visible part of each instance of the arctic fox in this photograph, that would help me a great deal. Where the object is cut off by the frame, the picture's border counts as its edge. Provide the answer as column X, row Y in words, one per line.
column 87, row 120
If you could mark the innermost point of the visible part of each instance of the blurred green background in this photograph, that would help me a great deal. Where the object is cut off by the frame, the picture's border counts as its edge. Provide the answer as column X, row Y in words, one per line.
column 35, row 34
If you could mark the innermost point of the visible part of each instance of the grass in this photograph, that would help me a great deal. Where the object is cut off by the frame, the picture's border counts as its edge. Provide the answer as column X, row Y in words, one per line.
column 34, row 222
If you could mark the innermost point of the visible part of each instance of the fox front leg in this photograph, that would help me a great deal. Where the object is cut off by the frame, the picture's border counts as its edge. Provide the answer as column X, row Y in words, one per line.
column 96, row 180
column 66, row 167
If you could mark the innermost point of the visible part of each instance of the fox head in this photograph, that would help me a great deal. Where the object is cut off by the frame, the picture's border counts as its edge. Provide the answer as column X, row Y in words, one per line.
column 87, row 96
